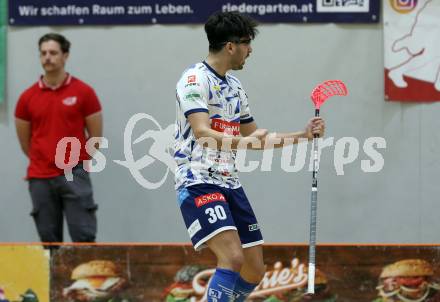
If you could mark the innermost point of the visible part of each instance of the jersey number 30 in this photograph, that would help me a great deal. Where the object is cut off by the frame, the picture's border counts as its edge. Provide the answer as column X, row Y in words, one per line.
column 215, row 213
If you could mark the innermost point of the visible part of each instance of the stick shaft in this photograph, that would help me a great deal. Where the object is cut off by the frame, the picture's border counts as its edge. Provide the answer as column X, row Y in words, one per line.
column 313, row 216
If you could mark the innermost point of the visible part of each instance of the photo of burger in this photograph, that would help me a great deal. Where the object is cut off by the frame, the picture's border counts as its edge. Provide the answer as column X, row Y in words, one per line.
column 182, row 289
column 409, row 280
column 96, row 281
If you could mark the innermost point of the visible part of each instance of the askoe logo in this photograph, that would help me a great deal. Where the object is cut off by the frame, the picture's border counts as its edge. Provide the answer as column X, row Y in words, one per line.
column 403, row 6
column 342, row 6
column 208, row 198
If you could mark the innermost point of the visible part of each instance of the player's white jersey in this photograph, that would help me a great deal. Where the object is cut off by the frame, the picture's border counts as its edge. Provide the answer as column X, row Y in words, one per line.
column 201, row 89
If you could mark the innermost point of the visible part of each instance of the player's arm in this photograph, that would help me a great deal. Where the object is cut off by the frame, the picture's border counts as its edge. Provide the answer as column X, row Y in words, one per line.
column 272, row 140
column 94, row 126
column 201, row 127
column 278, row 140
column 24, row 134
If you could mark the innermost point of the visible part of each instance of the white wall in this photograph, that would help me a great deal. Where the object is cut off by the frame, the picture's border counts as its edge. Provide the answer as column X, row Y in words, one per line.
column 135, row 68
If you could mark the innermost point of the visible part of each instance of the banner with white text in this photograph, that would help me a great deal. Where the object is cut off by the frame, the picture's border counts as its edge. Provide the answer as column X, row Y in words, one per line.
column 106, row 12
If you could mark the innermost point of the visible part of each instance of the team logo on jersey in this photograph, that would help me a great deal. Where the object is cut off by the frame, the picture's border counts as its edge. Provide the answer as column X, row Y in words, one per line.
column 218, row 90
column 70, row 101
column 208, row 198
column 191, row 79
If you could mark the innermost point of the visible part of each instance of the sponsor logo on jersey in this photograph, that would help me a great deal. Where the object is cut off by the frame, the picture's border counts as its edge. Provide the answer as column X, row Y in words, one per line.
column 230, row 128
column 191, row 79
column 208, row 198
column 191, row 85
column 192, row 96
column 253, row 227
column 194, row 228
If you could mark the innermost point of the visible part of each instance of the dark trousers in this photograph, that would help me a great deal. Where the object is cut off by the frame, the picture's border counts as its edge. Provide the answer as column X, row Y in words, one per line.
column 52, row 198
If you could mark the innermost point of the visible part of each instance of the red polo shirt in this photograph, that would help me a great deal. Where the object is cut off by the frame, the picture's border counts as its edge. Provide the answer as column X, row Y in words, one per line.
column 54, row 114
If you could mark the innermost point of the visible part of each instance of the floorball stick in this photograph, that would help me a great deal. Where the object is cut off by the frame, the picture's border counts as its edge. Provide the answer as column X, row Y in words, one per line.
column 319, row 95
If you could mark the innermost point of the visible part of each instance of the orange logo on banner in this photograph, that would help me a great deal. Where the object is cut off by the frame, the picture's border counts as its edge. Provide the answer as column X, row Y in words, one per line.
column 403, row 6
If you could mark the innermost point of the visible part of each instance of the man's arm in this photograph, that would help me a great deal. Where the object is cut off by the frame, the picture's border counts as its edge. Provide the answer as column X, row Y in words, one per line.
column 24, row 134
column 200, row 125
column 94, row 126
column 278, row 140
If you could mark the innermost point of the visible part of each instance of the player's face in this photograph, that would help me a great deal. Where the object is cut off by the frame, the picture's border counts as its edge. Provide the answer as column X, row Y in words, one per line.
column 52, row 57
column 243, row 50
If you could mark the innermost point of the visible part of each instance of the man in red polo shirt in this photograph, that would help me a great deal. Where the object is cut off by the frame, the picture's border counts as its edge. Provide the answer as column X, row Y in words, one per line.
column 57, row 106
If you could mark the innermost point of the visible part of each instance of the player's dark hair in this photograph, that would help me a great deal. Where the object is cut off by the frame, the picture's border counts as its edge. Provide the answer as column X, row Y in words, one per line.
column 60, row 39
column 223, row 27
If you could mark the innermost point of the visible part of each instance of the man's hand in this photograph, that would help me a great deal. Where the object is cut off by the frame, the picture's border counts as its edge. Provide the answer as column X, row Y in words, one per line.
column 24, row 134
column 315, row 125
column 256, row 139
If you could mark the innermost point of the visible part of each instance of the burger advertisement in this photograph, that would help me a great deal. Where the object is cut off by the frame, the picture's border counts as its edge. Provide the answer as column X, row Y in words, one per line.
column 96, row 281
column 176, row 273
column 410, row 280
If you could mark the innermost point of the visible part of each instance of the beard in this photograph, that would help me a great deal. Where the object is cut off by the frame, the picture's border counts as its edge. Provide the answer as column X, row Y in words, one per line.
column 239, row 65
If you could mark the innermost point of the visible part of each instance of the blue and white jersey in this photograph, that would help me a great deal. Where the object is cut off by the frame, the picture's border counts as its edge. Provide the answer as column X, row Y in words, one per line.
column 201, row 89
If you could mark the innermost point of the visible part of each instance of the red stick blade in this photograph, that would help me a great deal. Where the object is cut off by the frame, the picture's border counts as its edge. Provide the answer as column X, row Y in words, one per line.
column 326, row 90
